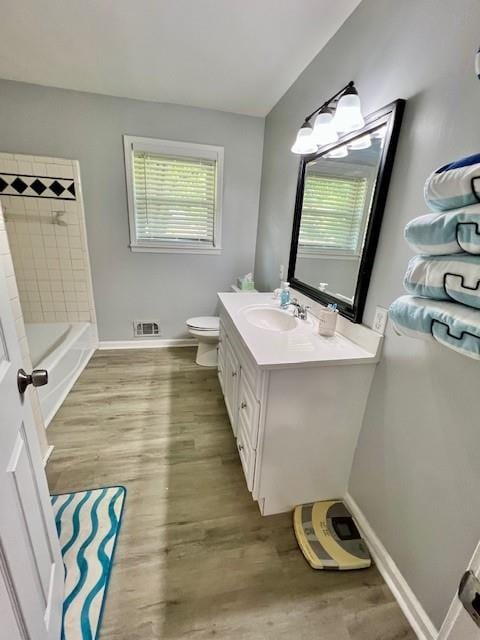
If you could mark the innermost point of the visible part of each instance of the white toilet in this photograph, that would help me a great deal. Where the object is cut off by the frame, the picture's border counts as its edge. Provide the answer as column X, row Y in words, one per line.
column 206, row 330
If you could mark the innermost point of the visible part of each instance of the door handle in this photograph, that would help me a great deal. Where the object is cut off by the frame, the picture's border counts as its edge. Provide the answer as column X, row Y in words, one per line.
column 469, row 595
column 38, row 377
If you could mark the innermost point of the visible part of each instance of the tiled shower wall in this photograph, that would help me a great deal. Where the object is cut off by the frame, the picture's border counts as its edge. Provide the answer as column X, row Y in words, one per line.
column 13, row 296
column 47, row 238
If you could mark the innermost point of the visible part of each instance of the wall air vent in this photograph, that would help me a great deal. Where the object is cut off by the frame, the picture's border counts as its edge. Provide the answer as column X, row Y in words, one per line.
column 146, row 328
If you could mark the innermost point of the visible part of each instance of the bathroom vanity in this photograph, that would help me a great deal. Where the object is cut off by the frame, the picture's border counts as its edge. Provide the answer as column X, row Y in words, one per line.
column 295, row 399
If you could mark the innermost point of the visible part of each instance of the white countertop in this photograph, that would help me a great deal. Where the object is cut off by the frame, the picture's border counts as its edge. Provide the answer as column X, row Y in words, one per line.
column 302, row 346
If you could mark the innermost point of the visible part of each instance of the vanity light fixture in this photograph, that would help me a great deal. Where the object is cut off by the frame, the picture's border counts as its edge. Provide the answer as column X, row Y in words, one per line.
column 338, row 152
column 339, row 114
column 360, row 143
column 304, row 143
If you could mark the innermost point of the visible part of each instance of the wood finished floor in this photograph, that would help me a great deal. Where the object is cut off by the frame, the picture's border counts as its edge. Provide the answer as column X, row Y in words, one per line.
column 195, row 559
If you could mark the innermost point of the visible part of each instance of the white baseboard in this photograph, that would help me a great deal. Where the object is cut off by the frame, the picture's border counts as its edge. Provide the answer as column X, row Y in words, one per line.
column 407, row 600
column 157, row 343
column 451, row 619
column 48, row 454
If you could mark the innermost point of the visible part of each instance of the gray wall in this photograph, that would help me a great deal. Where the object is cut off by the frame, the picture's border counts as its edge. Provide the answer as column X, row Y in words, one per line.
column 89, row 128
column 416, row 472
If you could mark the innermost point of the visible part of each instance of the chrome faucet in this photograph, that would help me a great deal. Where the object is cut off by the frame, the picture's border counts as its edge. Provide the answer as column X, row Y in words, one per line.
column 301, row 311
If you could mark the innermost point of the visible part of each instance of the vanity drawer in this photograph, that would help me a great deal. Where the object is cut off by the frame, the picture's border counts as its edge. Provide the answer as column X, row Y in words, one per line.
column 247, row 456
column 248, row 409
column 249, row 370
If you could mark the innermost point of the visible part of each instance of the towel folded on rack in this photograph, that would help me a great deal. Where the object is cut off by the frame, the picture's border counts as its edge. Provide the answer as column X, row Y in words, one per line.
column 452, row 325
column 455, row 278
column 455, row 231
column 456, row 184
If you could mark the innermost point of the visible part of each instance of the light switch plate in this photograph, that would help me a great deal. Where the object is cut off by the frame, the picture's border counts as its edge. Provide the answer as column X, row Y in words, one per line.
column 380, row 320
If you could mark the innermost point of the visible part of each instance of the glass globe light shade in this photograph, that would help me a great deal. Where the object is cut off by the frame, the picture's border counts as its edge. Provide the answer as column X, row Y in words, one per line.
column 364, row 142
column 304, row 143
column 339, row 152
column 323, row 130
column 348, row 116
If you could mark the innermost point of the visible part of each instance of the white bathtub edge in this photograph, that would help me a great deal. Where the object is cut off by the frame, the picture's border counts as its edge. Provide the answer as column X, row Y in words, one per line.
column 66, row 390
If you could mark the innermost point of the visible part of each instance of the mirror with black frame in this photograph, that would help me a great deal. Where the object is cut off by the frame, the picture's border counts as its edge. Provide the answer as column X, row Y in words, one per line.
column 341, row 193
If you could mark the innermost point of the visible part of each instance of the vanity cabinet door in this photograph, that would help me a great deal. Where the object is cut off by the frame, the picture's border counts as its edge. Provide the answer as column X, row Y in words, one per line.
column 221, row 348
column 231, row 377
column 247, row 455
column 248, row 410
column 247, row 432
column 221, row 359
column 221, row 379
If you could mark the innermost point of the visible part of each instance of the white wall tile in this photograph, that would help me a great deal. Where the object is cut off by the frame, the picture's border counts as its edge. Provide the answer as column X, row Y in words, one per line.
column 52, row 272
column 39, row 169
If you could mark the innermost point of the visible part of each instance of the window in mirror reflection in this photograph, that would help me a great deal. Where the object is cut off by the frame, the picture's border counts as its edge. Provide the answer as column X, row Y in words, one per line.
column 337, row 198
column 332, row 211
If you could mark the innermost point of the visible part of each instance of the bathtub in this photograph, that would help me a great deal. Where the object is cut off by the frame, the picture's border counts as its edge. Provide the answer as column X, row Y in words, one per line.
column 63, row 350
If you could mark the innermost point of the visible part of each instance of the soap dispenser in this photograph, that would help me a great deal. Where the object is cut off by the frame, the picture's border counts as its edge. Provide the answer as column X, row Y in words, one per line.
column 285, row 295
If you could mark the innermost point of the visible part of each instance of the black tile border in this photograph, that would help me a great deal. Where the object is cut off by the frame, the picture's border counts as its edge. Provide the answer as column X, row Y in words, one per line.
column 7, row 189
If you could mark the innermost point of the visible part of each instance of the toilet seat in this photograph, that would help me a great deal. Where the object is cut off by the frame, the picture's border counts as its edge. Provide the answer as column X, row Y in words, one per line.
column 207, row 324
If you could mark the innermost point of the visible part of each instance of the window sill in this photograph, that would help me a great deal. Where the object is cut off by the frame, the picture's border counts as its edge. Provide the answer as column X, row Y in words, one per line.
column 141, row 248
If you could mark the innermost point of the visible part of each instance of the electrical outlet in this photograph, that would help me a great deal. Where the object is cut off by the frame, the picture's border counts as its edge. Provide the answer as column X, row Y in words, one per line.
column 282, row 272
column 380, row 320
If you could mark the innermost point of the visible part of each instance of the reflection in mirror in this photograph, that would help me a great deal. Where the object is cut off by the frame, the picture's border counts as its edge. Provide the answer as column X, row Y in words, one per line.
column 337, row 202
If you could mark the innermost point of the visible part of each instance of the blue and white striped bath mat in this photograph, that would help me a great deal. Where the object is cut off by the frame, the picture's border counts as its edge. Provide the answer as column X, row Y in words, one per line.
column 88, row 523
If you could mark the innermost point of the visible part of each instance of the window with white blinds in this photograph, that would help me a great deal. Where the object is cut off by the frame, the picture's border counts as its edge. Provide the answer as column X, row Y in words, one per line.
column 174, row 195
column 332, row 214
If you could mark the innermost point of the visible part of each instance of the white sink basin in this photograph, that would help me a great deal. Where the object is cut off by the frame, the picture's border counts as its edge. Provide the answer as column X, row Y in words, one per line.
column 270, row 318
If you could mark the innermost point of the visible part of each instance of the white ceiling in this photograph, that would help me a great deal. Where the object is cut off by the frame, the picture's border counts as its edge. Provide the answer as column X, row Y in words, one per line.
column 233, row 55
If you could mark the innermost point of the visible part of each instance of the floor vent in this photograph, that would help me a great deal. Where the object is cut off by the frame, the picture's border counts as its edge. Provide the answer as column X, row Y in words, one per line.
column 145, row 329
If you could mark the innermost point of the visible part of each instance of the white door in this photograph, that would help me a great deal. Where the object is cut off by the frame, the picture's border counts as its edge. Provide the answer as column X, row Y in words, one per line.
column 458, row 625
column 31, row 568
